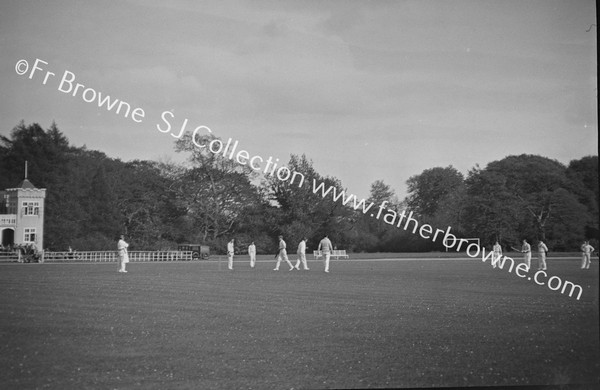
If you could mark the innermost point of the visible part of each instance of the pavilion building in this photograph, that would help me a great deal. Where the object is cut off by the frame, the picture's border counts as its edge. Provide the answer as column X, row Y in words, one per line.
column 22, row 215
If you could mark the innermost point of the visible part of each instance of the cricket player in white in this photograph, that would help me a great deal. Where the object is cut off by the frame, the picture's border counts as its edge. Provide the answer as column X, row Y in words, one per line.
column 282, row 254
column 230, row 252
column 542, row 249
column 302, row 255
column 252, row 254
column 497, row 254
column 586, row 255
column 123, row 255
column 526, row 250
column 326, row 248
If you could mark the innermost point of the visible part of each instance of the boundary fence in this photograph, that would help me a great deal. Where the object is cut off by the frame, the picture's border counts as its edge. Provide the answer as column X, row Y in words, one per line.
column 98, row 256
column 7, row 257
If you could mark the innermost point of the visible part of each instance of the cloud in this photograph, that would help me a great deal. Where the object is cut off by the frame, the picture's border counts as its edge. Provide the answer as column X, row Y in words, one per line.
column 420, row 82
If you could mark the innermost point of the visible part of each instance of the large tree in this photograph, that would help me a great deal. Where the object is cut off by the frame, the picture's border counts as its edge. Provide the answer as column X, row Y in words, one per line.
column 492, row 212
column 46, row 151
column 437, row 197
column 428, row 190
column 216, row 192
column 583, row 176
column 370, row 232
column 523, row 196
column 302, row 211
column 148, row 208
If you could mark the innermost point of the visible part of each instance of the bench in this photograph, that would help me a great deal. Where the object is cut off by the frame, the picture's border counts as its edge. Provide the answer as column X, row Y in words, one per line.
column 339, row 253
column 335, row 253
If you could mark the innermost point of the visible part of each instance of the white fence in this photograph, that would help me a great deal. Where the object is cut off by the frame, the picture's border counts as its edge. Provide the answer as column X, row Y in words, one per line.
column 99, row 256
column 6, row 257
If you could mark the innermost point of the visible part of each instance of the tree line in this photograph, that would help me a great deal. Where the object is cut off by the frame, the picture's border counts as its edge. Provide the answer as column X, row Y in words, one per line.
column 92, row 198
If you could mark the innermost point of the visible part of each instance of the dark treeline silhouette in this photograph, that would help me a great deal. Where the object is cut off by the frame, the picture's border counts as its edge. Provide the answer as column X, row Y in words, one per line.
column 92, row 198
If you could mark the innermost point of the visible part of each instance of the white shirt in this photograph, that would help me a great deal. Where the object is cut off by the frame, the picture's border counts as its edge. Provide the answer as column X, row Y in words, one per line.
column 252, row 249
column 230, row 248
column 325, row 245
column 122, row 246
column 587, row 249
column 302, row 248
column 282, row 244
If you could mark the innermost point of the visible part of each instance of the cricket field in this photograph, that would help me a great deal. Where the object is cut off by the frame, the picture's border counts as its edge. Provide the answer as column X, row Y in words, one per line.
column 370, row 323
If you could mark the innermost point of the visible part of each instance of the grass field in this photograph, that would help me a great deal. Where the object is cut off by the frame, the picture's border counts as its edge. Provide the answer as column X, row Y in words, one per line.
column 367, row 324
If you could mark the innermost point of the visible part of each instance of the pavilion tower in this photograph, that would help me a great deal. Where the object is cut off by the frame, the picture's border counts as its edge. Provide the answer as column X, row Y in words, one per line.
column 22, row 214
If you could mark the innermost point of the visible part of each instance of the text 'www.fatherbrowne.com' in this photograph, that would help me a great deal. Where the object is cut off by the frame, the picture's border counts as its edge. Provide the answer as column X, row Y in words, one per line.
column 203, row 138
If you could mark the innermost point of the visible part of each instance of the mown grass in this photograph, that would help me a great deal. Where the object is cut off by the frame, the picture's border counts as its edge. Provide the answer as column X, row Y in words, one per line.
column 365, row 325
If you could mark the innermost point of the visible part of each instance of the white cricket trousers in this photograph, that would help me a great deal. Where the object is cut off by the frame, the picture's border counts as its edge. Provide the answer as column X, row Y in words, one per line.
column 542, row 257
column 327, row 258
column 527, row 258
column 585, row 260
column 301, row 259
column 283, row 254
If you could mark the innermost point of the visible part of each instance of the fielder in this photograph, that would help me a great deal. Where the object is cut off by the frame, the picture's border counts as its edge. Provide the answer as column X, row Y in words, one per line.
column 542, row 249
column 526, row 250
column 230, row 252
column 123, row 255
column 282, row 254
column 302, row 255
column 326, row 248
column 586, row 255
column 497, row 254
column 252, row 254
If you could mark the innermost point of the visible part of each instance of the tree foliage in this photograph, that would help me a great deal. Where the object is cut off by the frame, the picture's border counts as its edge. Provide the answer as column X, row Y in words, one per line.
column 300, row 212
column 524, row 196
column 429, row 190
column 92, row 198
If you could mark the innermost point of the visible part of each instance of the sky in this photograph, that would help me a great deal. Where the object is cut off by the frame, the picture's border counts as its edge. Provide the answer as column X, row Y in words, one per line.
column 368, row 90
